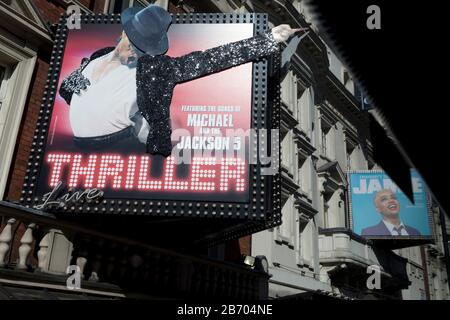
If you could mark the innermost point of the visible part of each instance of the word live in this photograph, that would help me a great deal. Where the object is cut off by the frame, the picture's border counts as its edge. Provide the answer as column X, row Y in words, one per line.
column 133, row 173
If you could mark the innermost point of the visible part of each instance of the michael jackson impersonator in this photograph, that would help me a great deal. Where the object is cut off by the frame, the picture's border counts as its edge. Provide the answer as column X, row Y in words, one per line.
column 123, row 93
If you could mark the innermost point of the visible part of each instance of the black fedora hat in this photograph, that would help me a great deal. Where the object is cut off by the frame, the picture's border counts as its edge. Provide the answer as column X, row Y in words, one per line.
column 146, row 28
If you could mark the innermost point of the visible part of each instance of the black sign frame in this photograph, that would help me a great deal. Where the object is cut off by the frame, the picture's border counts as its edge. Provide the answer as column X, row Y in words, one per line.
column 263, row 211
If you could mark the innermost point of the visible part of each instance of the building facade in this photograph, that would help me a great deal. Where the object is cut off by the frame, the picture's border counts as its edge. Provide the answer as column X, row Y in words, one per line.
column 324, row 134
column 312, row 254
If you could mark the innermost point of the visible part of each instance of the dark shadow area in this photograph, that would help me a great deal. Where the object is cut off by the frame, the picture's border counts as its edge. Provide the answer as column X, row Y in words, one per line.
column 397, row 65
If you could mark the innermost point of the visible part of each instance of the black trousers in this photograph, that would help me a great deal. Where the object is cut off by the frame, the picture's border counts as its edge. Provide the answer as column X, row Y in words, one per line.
column 124, row 141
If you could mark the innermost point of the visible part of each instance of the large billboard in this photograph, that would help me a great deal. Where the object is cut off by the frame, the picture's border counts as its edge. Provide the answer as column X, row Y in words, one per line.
column 209, row 172
column 379, row 209
column 202, row 111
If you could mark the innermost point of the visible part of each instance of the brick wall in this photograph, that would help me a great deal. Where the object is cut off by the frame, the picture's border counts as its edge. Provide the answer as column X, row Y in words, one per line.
column 51, row 10
column 174, row 9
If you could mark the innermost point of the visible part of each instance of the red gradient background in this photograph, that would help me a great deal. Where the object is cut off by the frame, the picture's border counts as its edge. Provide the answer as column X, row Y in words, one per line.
column 231, row 87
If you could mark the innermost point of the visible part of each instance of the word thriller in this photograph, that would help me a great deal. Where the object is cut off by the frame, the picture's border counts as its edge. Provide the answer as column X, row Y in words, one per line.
column 205, row 174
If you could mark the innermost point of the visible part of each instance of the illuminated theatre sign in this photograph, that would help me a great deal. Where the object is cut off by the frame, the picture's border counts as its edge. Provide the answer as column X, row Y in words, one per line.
column 133, row 173
column 215, row 124
column 380, row 210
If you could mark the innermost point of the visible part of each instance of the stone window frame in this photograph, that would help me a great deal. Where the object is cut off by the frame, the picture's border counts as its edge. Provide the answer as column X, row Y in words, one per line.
column 21, row 62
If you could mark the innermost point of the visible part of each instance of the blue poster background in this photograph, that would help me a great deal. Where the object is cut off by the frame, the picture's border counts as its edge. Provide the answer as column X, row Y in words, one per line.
column 364, row 186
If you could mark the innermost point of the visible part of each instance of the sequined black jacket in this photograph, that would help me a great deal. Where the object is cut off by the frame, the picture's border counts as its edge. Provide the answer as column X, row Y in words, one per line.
column 156, row 77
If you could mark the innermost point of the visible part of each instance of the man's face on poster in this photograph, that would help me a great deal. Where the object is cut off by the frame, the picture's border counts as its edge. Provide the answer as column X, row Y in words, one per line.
column 386, row 203
column 126, row 52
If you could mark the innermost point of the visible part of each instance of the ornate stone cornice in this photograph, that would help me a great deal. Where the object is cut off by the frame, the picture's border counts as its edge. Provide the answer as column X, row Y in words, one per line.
column 288, row 184
column 31, row 30
column 304, row 205
column 345, row 101
column 287, row 119
column 303, row 142
column 327, row 114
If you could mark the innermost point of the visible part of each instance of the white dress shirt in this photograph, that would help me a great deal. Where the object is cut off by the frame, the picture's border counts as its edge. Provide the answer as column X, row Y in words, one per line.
column 393, row 229
column 108, row 105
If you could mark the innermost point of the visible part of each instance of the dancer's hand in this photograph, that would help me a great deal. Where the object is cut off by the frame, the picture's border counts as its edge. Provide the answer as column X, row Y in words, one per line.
column 282, row 32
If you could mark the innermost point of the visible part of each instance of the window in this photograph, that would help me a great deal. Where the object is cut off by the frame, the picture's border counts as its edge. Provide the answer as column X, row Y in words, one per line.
column 349, row 152
column 305, row 253
column 362, row 99
column 325, row 213
column 343, row 209
column 423, row 295
column 289, row 92
column 288, row 153
column 325, row 141
column 285, row 234
column 16, row 71
column 120, row 5
column 349, row 161
column 328, row 132
column 437, row 286
column 333, row 209
column 117, row 6
column 304, row 165
column 305, row 105
column 370, row 164
column 348, row 81
column 3, row 84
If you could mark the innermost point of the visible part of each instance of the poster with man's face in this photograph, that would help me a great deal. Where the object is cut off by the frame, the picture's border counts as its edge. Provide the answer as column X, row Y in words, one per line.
column 380, row 209
column 210, row 118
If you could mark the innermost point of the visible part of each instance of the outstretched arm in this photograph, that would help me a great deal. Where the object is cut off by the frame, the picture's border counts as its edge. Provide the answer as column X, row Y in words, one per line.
column 201, row 63
column 74, row 83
